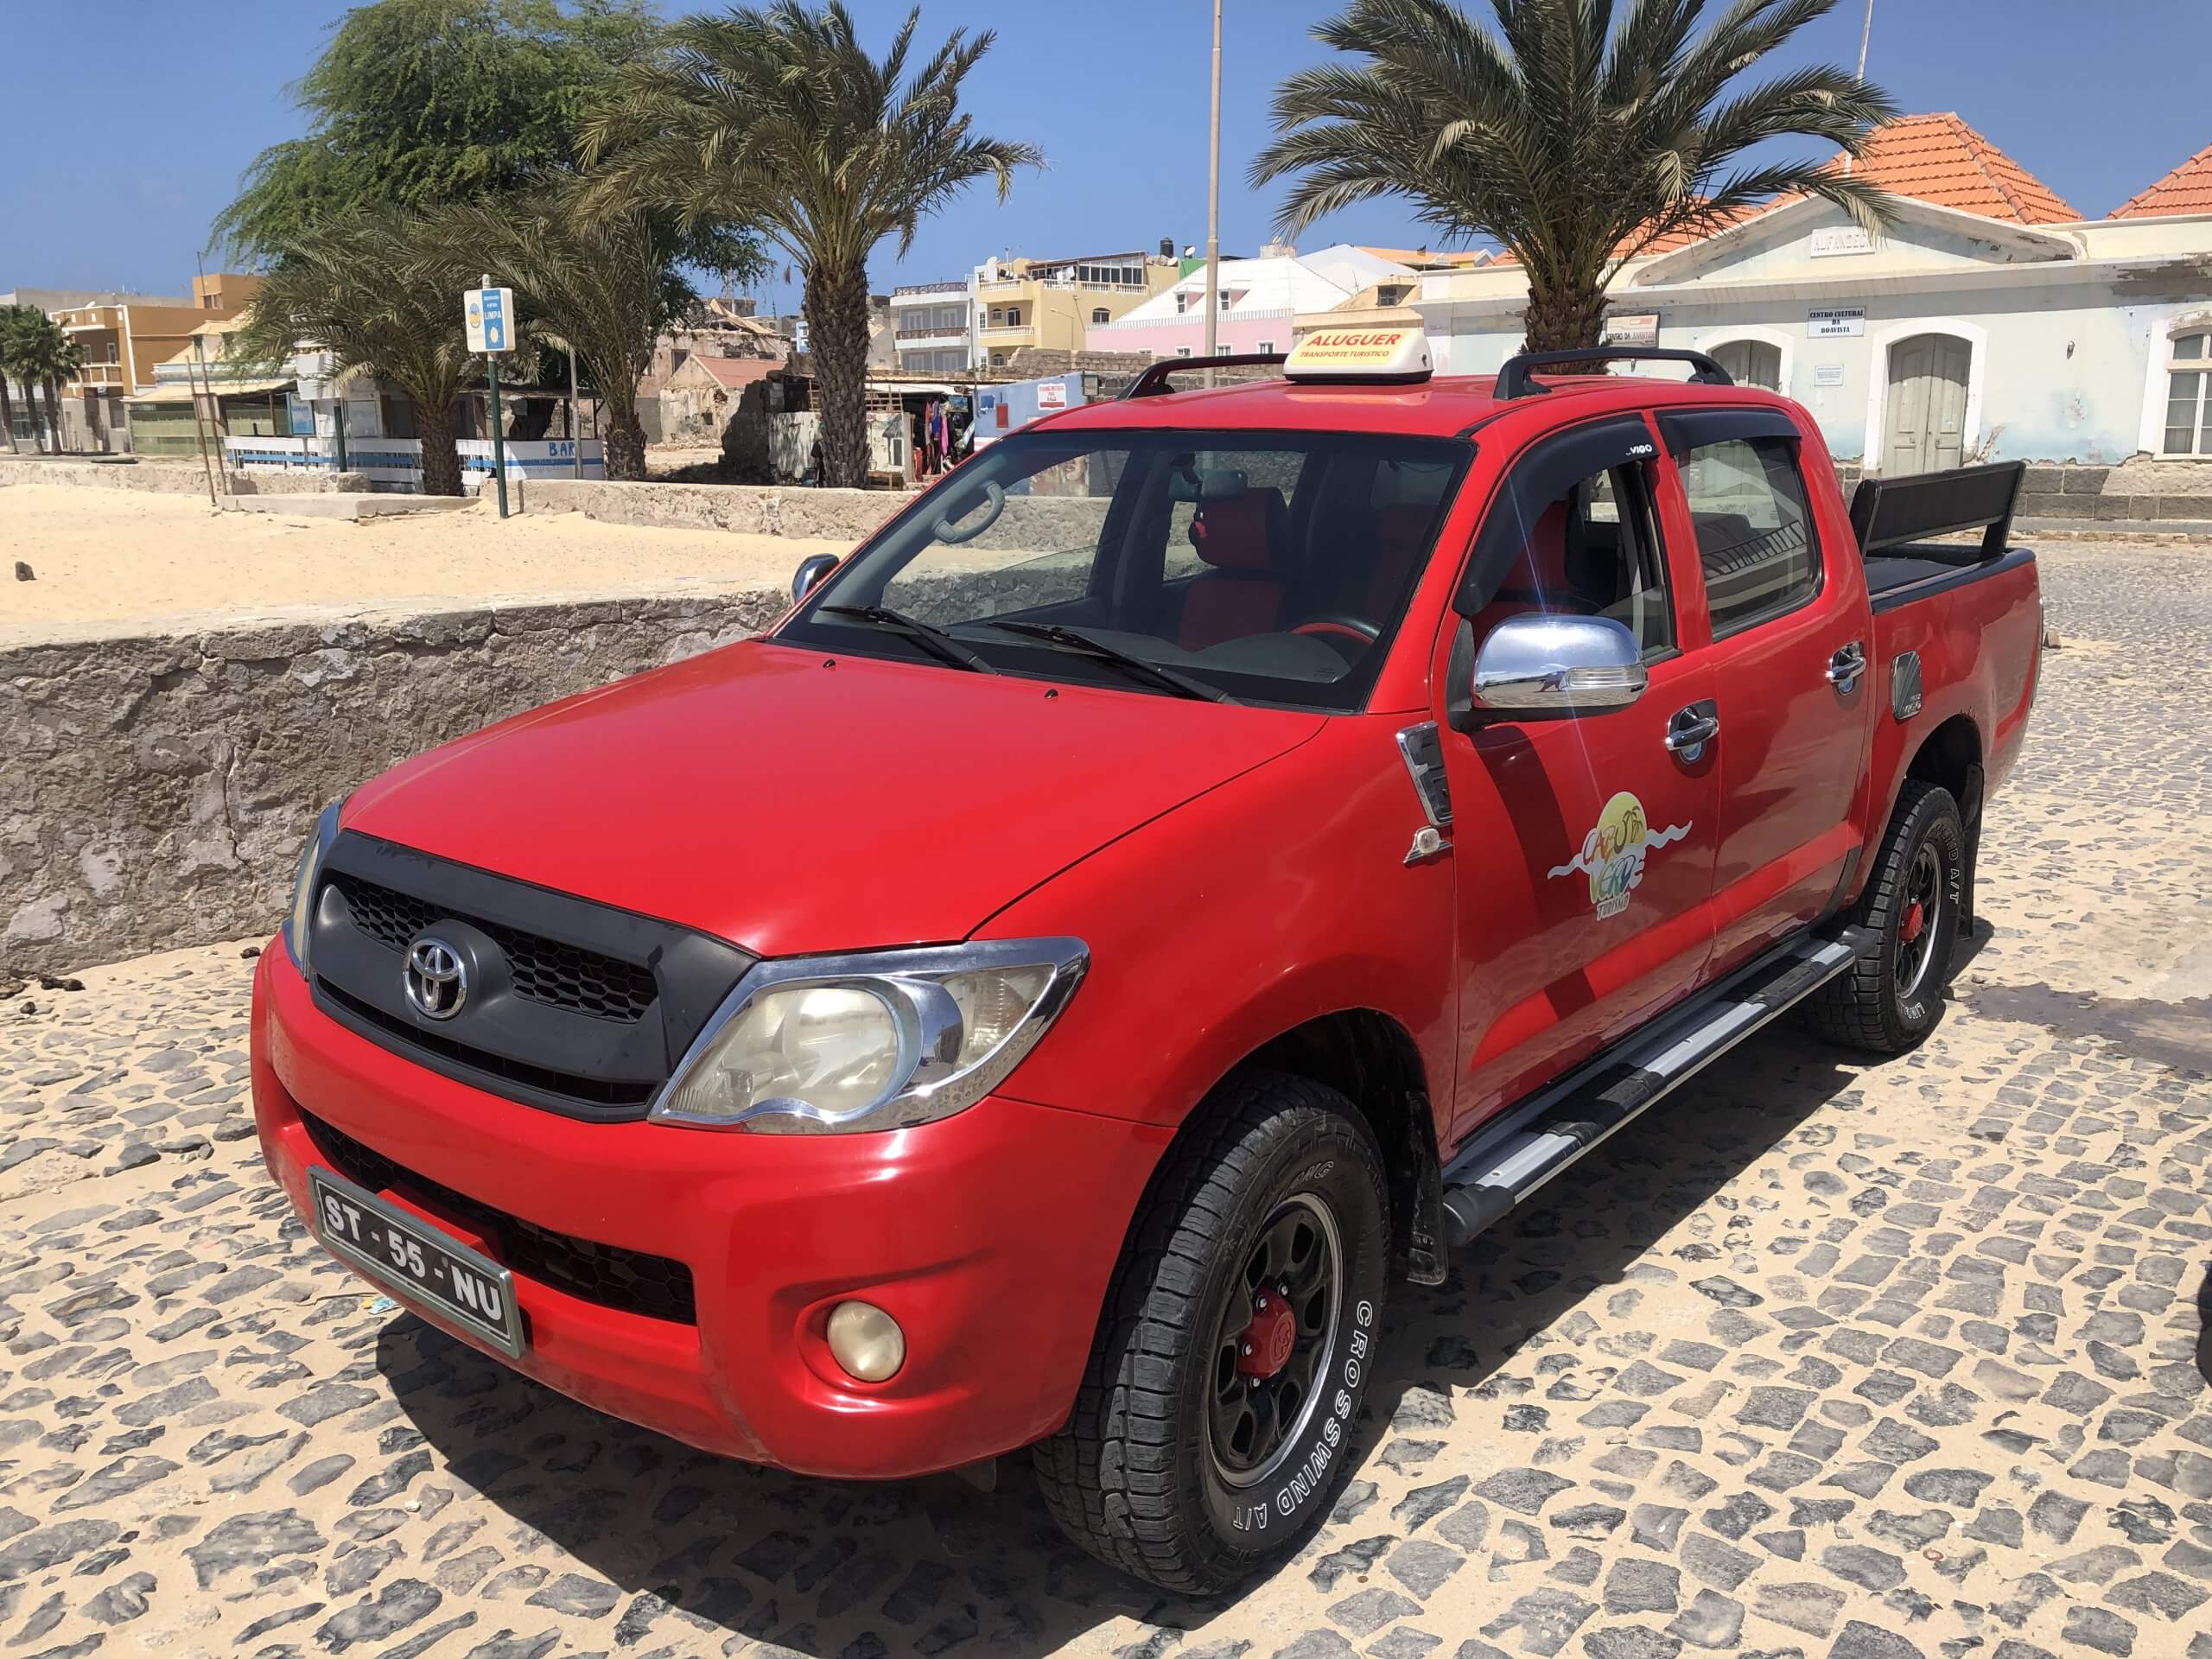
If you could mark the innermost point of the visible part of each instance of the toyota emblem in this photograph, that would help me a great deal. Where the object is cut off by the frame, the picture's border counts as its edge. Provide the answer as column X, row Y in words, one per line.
column 436, row 979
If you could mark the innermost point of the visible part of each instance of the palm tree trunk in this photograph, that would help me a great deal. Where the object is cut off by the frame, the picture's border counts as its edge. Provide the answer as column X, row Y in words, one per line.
column 53, row 410
column 1562, row 315
column 8, row 414
column 30, row 409
column 624, row 435
column 836, row 324
column 441, row 460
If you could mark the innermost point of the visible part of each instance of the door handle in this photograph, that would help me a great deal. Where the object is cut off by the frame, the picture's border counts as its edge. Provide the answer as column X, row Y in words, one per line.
column 1845, row 668
column 1691, row 729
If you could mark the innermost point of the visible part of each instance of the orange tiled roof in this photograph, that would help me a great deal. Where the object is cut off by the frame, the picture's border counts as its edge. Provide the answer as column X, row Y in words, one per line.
column 2187, row 189
column 1940, row 160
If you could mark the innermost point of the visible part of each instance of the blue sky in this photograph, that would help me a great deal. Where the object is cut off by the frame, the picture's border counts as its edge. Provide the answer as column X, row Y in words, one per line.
column 2097, row 100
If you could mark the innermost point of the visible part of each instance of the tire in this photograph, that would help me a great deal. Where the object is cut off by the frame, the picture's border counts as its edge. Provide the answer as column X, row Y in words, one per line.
column 1892, row 994
column 1165, row 1469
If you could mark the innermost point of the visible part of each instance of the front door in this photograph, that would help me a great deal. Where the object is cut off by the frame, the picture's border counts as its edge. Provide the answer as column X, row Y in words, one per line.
column 1584, row 845
column 1786, row 610
column 1927, row 405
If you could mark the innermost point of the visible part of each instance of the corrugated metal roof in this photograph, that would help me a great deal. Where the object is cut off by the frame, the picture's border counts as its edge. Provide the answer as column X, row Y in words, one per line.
column 2187, row 189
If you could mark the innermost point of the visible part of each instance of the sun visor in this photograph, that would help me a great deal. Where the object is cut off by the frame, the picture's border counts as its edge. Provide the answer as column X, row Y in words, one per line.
column 1390, row 356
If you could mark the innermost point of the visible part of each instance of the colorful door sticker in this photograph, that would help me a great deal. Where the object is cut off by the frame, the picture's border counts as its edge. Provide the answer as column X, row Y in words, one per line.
column 1613, row 853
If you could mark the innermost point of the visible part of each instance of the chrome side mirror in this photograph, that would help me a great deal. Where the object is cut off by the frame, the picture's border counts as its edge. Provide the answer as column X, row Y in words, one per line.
column 811, row 571
column 1536, row 666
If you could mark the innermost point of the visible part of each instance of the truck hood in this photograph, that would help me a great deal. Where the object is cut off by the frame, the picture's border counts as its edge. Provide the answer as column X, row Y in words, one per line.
column 793, row 803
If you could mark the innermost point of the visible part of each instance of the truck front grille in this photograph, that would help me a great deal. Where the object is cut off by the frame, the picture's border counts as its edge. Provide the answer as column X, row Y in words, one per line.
column 629, row 1281
column 546, row 970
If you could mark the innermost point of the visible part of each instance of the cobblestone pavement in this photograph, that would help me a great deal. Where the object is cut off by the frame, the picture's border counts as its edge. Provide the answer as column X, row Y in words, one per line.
column 1830, row 1361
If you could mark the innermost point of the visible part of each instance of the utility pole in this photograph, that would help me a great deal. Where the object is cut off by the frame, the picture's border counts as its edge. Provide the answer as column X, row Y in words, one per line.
column 1213, row 200
column 1866, row 32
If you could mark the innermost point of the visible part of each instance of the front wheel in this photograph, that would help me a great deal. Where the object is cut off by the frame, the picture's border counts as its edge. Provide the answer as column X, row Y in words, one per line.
column 1888, row 998
column 1218, row 1414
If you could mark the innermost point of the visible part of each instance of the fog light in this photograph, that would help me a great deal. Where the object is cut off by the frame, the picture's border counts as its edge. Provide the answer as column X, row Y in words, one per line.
column 866, row 1341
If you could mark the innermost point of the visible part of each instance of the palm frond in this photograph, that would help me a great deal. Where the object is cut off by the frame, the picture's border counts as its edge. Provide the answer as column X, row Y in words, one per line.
column 1573, row 132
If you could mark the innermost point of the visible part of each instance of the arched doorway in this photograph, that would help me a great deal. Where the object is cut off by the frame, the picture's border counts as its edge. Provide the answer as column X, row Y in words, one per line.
column 1925, row 410
column 1751, row 362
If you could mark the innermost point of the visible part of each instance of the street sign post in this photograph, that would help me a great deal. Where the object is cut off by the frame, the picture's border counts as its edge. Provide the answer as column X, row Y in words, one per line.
column 489, row 314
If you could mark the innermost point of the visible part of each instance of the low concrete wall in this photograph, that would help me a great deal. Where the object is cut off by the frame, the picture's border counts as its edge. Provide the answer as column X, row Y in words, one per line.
column 1027, row 524
column 169, row 477
column 155, row 788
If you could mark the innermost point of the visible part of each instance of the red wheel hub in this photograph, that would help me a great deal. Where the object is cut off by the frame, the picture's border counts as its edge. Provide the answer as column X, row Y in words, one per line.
column 1264, row 1348
column 1915, row 918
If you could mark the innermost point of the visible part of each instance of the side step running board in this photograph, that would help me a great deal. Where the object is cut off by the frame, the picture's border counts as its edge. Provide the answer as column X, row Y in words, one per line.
column 1530, row 1143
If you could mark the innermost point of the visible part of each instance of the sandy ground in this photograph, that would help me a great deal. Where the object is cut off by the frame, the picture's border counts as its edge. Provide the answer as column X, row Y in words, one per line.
column 101, row 556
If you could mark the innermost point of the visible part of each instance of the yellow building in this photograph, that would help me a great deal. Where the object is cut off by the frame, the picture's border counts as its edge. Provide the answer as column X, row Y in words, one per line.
column 123, row 336
column 1051, row 302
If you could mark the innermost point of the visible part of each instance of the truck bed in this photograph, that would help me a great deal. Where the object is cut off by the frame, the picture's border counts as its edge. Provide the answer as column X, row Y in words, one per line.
column 1898, row 575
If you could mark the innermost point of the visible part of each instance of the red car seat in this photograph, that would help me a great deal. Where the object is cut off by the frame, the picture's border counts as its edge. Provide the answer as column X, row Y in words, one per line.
column 1242, row 591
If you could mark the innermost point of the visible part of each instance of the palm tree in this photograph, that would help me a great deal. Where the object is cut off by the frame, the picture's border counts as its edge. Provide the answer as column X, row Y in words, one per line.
column 60, row 356
column 600, row 281
column 375, row 291
column 1574, row 141
column 17, row 323
column 778, row 119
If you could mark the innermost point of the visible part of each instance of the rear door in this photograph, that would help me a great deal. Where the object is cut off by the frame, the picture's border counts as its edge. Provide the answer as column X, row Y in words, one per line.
column 1785, row 606
column 1585, row 846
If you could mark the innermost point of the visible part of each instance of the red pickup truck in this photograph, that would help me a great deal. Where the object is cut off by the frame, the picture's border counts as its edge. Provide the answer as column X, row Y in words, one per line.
column 1210, row 854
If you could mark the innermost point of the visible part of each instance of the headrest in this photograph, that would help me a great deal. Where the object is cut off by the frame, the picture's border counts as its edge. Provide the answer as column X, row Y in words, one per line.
column 1238, row 532
column 1208, row 484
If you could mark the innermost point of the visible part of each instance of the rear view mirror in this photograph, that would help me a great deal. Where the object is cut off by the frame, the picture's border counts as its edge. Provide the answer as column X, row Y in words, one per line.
column 1538, row 666
column 808, row 576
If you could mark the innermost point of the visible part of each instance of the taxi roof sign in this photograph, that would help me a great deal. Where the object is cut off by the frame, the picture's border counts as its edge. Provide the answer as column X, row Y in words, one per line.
column 1393, row 355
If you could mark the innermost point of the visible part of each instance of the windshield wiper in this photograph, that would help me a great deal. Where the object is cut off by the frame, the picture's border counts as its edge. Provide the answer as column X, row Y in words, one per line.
column 1076, row 640
column 931, row 638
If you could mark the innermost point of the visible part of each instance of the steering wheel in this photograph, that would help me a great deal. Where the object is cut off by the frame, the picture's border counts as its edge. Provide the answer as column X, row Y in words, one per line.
column 995, row 503
column 1348, row 636
column 1342, row 627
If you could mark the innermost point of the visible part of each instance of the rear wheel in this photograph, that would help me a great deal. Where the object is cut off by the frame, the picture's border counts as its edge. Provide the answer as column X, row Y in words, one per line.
column 1890, row 997
column 1216, row 1415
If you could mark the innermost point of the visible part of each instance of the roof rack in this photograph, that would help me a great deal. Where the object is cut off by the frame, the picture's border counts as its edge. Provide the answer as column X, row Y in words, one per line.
column 1153, row 382
column 1513, row 378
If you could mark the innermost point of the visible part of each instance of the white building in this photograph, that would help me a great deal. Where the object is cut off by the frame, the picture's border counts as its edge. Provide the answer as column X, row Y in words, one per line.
column 1990, row 320
column 1258, row 301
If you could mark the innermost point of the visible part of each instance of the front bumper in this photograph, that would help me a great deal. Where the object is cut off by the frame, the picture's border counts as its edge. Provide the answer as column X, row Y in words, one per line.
column 990, row 1236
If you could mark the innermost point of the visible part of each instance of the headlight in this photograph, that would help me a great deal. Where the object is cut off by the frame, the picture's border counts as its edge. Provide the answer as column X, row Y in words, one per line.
column 832, row 1043
column 310, row 865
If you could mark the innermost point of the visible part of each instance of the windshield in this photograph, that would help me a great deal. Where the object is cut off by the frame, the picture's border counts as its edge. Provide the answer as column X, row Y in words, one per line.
column 1269, row 567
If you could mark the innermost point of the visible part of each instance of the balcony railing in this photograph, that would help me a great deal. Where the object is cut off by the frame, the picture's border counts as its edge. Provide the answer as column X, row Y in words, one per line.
column 916, row 288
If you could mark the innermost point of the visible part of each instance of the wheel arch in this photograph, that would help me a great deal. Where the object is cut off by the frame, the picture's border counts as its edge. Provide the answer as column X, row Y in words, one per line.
column 1950, row 757
column 1370, row 1058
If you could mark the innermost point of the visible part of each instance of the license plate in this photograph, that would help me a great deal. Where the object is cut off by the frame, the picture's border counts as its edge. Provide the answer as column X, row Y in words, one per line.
column 420, row 1262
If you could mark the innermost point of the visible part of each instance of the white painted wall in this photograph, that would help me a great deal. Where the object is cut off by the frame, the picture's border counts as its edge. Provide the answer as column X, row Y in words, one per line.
column 2067, row 354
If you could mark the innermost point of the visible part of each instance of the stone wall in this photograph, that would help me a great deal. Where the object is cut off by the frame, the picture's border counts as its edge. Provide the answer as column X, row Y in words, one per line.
column 2140, row 491
column 748, row 509
column 155, row 789
column 170, row 477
